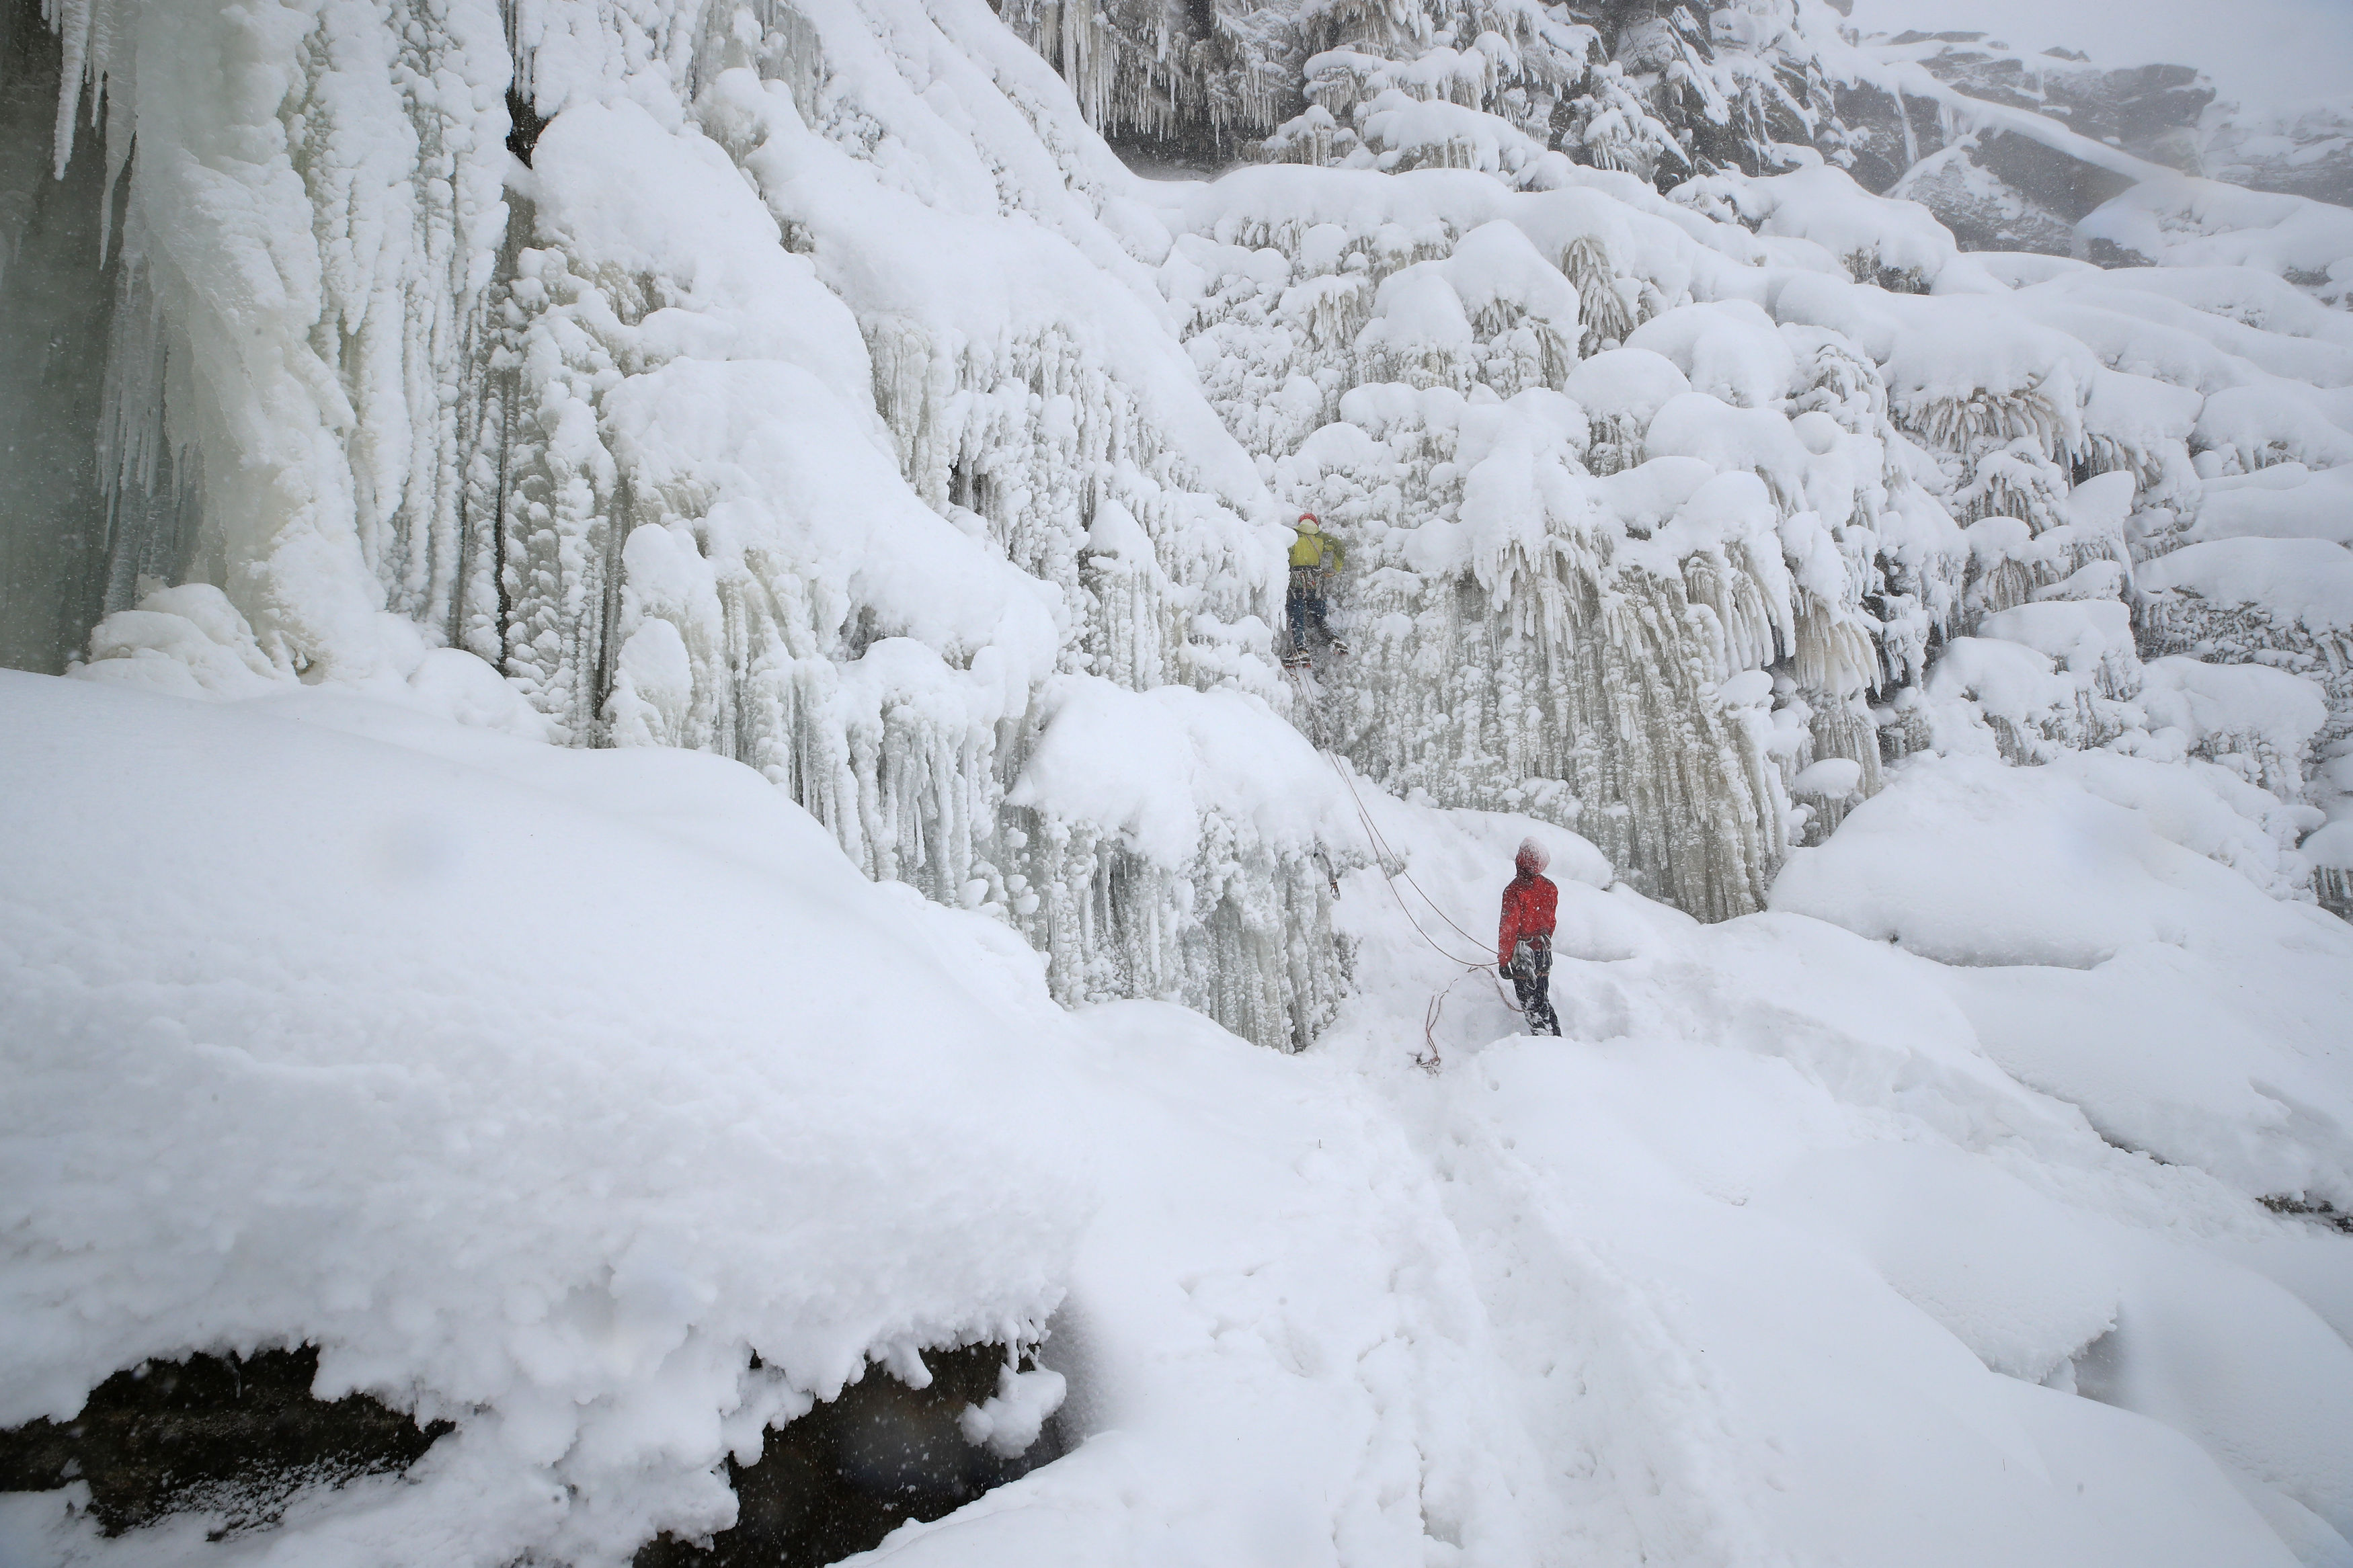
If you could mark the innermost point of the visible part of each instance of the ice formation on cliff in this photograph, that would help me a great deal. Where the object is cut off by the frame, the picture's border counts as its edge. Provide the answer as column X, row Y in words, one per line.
column 812, row 386
column 635, row 422
column 678, row 481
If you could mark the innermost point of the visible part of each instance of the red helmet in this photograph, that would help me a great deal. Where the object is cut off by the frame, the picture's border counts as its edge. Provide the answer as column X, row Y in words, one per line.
column 1310, row 516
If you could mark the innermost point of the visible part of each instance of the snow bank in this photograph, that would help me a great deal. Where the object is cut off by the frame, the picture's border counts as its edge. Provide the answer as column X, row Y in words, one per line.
column 540, row 1091
column 1279, row 1351
column 1897, row 243
column 543, row 1089
column 2286, row 500
column 2188, row 221
column 2268, row 717
column 2096, row 957
column 2304, row 582
column 190, row 641
column 2249, row 428
column 1770, row 1203
column 2093, row 640
column 1184, row 842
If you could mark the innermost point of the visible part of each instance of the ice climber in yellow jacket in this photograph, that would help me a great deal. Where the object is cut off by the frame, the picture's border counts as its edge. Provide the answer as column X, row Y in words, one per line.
column 1315, row 558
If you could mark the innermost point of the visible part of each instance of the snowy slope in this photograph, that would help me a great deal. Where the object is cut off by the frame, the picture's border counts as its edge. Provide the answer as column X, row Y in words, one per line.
column 1765, row 1261
column 685, row 757
column 498, row 1072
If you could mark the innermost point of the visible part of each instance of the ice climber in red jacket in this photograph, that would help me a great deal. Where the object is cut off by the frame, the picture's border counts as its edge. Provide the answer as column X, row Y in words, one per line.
column 1524, row 947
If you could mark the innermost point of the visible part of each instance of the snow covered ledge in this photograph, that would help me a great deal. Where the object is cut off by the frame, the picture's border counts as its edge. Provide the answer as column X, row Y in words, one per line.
column 589, row 1100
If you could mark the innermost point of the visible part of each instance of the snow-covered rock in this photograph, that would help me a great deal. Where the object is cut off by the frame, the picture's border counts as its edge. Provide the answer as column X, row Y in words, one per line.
column 813, row 388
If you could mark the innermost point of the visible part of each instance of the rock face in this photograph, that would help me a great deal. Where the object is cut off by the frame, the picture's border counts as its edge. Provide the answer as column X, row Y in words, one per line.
column 234, row 1437
column 1984, row 210
column 839, row 1479
column 66, row 554
column 2168, row 114
column 2000, row 190
column 1525, row 92
column 2147, row 110
column 2304, row 152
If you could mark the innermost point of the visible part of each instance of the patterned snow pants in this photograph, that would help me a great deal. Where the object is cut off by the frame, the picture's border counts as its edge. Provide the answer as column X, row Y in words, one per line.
column 1531, row 973
column 1304, row 605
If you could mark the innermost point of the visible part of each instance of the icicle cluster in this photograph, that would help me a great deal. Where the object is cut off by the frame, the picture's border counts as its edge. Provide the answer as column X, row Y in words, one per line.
column 810, row 385
column 1640, row 590
column 1507, row 87
column 669, row 438
column 311, row 415
column 1169, row 73
column 860, row 587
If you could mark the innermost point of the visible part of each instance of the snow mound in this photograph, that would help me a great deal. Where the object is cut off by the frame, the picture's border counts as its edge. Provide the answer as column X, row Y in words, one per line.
column 557, row 1168
column 2095, row 955
column 2307, row 581
column 2286, row 501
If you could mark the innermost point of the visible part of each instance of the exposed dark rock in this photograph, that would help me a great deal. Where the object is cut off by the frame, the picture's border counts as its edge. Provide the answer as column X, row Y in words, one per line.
column 235, row 1436
column 2135, row 107
column 849, row 1472
column 2047, row 177
column 57, row 293
column 1984, row 212
column 524, row 122
column 1186, row 147
column 1869, row 141
column 2108, row 253
column 1996, row 190
column 2321, row 1213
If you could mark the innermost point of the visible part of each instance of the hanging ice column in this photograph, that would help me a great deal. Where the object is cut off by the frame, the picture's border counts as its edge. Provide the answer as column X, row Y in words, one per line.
column 297, row 253
column 840, row 513
column 1646, row 594
column 1202, row 73
column 1523, row 642
column 654, row 489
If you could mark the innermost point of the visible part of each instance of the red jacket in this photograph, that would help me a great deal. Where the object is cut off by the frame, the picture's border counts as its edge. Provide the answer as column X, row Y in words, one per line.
column 1528, row 906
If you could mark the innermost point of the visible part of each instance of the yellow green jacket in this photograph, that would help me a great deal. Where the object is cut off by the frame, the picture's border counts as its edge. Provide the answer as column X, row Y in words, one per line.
column 1313, row 547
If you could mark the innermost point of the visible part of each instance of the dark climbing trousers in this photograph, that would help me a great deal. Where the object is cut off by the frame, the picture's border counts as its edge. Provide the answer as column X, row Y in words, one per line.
column 1531, row 974
column 1304, row 606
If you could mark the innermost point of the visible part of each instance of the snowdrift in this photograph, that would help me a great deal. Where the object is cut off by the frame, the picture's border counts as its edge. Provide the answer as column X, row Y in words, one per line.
column 558, row 1170
column 674, row 785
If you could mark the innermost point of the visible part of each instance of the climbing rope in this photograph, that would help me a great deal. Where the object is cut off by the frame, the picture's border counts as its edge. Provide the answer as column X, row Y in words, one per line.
column 1382, row 856
column 1429, row 1061
column 1381, row 849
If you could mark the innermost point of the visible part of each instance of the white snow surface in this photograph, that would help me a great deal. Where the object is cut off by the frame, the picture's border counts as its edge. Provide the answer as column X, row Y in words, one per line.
column 1772, row 1248
column 717, row 789
column 561, row 1161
